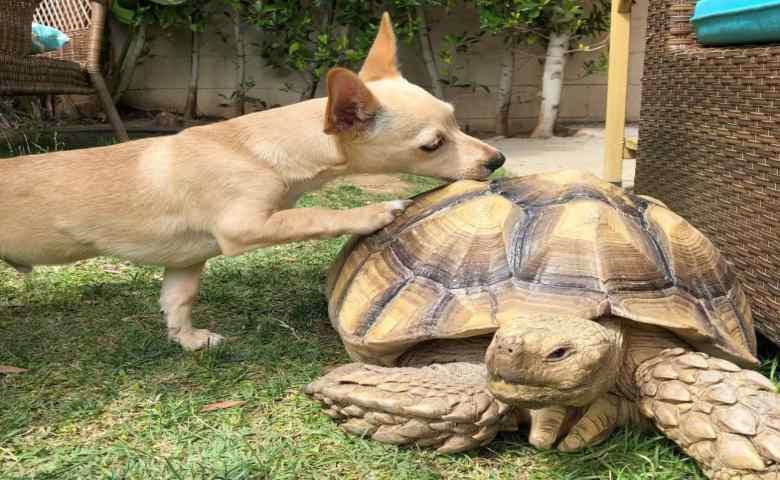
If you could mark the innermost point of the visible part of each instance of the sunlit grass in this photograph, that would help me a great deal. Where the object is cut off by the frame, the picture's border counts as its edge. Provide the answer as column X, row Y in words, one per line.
column 107, row 396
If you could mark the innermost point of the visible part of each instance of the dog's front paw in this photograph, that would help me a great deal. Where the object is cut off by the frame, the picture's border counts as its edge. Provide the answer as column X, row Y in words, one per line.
column 384, row 213
column 196, row 338
column 393, row 210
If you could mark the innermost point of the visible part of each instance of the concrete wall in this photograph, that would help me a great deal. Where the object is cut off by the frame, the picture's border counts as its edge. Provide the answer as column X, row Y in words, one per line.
column 161, row 80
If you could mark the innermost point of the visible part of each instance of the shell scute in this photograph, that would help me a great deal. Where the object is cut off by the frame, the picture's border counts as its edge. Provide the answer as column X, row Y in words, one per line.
column 589, row 245
column 561, row 187
column 374, row 286
column 695, row 263
column 411, row 313
column 464, row 248
column 427, row 204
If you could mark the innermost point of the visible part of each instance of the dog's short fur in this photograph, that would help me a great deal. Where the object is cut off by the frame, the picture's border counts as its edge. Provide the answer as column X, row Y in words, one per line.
column 228, row 188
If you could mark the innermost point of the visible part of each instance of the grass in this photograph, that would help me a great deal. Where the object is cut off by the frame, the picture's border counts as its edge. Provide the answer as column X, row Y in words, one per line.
column 107, row 396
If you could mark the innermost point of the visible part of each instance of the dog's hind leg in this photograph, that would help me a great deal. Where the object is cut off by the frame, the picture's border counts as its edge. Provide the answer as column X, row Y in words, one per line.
column 19, row 268
column 179, row 290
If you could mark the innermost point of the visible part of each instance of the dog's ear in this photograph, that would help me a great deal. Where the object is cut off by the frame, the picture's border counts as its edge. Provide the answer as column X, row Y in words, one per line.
column 351, row 105
column 381, row 61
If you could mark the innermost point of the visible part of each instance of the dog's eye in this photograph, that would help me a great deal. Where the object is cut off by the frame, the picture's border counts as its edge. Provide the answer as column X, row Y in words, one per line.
column 433, row 146
column 559, row 354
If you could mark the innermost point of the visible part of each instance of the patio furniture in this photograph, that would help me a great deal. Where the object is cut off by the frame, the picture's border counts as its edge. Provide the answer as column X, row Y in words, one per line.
column 709, row 146
column 74, row 69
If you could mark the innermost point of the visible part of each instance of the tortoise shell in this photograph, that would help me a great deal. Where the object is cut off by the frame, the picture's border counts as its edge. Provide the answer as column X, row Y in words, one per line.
column 466, row 255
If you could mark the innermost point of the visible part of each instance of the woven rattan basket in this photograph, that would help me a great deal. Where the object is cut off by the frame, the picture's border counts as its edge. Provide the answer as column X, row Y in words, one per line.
column 709, row 146
column 73, row 69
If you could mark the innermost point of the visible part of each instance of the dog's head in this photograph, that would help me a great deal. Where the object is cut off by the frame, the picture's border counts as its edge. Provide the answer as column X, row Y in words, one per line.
column 386, row 124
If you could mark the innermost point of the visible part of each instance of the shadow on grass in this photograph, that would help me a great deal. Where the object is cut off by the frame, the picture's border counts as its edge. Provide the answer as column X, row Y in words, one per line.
column 108, row 396
column 101, row 369
column 86, row 334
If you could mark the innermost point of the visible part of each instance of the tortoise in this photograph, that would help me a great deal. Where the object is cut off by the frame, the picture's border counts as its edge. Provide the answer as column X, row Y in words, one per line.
column 558, row 300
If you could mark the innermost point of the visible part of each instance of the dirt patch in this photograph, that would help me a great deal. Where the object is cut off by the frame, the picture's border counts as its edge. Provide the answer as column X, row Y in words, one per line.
column 380, row 184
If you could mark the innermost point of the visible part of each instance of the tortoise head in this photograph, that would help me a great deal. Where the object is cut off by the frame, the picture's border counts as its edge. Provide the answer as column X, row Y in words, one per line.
column 543, row 360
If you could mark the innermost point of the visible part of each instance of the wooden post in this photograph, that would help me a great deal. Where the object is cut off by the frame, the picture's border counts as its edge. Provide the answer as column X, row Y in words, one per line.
column 617, row 90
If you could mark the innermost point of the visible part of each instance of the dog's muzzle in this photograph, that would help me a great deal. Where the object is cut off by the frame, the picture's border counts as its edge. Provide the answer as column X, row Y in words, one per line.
column 496, row 162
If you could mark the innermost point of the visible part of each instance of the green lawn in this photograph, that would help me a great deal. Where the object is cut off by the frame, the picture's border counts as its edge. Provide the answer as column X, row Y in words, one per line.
column 107, row 396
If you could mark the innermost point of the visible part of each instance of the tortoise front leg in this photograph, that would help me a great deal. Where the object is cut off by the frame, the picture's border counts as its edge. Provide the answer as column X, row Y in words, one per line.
column 600, row 419
column 547, row 425
column 444, row 406
column 725, row 417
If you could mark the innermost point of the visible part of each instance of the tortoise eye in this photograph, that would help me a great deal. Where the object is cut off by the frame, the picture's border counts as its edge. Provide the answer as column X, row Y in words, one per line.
column 433, row 146
column 558, row 354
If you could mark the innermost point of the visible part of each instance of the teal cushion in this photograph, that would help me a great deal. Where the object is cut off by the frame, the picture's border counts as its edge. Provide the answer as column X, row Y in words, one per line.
column 723, row 22
column 46, row 39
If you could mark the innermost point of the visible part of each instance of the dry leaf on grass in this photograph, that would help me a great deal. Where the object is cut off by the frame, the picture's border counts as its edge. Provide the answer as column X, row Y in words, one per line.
column 10, row 369
column 222, row 405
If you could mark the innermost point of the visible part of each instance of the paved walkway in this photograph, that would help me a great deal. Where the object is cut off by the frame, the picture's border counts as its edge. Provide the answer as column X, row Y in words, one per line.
column 585, row 151
column 526, row 156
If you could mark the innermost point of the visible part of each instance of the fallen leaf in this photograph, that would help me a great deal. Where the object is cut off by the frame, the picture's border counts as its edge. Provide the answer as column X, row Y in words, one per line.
column 222, row 405
column 10, row 369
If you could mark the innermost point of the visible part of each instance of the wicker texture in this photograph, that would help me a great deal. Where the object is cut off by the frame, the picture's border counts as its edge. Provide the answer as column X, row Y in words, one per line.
column 22, row 76
column 15, row 31
column 709, row 146
column 72, row 69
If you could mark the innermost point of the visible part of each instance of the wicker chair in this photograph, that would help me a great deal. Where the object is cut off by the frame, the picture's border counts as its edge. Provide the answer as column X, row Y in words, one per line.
column 74, row 69
column 709, row 146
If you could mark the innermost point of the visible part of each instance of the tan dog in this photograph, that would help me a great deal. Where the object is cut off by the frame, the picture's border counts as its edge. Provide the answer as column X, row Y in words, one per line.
column 228, row 188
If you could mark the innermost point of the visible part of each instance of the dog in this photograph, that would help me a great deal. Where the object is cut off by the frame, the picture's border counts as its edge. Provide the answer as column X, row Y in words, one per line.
column 229, row 187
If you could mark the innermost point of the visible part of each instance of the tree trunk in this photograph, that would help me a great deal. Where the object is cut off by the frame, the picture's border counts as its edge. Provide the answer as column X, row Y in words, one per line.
column 239, row 102
column 130, row 60
column 552, row 84
column 504, row 94
column 328, row 18
column 311, row 90
column 429, row 58
column 191, row 105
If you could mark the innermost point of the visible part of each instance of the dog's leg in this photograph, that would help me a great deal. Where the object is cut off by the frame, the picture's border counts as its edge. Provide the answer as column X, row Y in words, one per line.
column 179, row 289
column 237, row 236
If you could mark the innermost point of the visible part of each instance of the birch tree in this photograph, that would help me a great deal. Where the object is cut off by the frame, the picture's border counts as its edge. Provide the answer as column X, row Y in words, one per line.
column 167, row 14
column 552, row 83
column 195, row 17
column 132, row 53
column 515, row 23
column 133, row 50
column 507, row 20
column 565, row 26
column 427, row 51
column 192, row 15
column 522, row 24
column 236, row 11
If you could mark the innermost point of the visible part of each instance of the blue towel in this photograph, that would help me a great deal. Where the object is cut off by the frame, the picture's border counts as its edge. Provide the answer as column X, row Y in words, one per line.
column 46, row 39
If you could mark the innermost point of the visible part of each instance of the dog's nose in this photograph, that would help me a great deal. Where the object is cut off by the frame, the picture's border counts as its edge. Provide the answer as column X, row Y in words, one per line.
column 496, row 162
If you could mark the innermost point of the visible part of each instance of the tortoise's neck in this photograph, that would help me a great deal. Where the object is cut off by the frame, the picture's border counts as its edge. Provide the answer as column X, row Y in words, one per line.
column 470, row 350
column 611, row 369
column 642, row 343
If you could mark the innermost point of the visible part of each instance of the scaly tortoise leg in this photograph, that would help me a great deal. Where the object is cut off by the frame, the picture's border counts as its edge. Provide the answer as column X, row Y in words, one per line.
column 444, row 406
column 725, row 417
